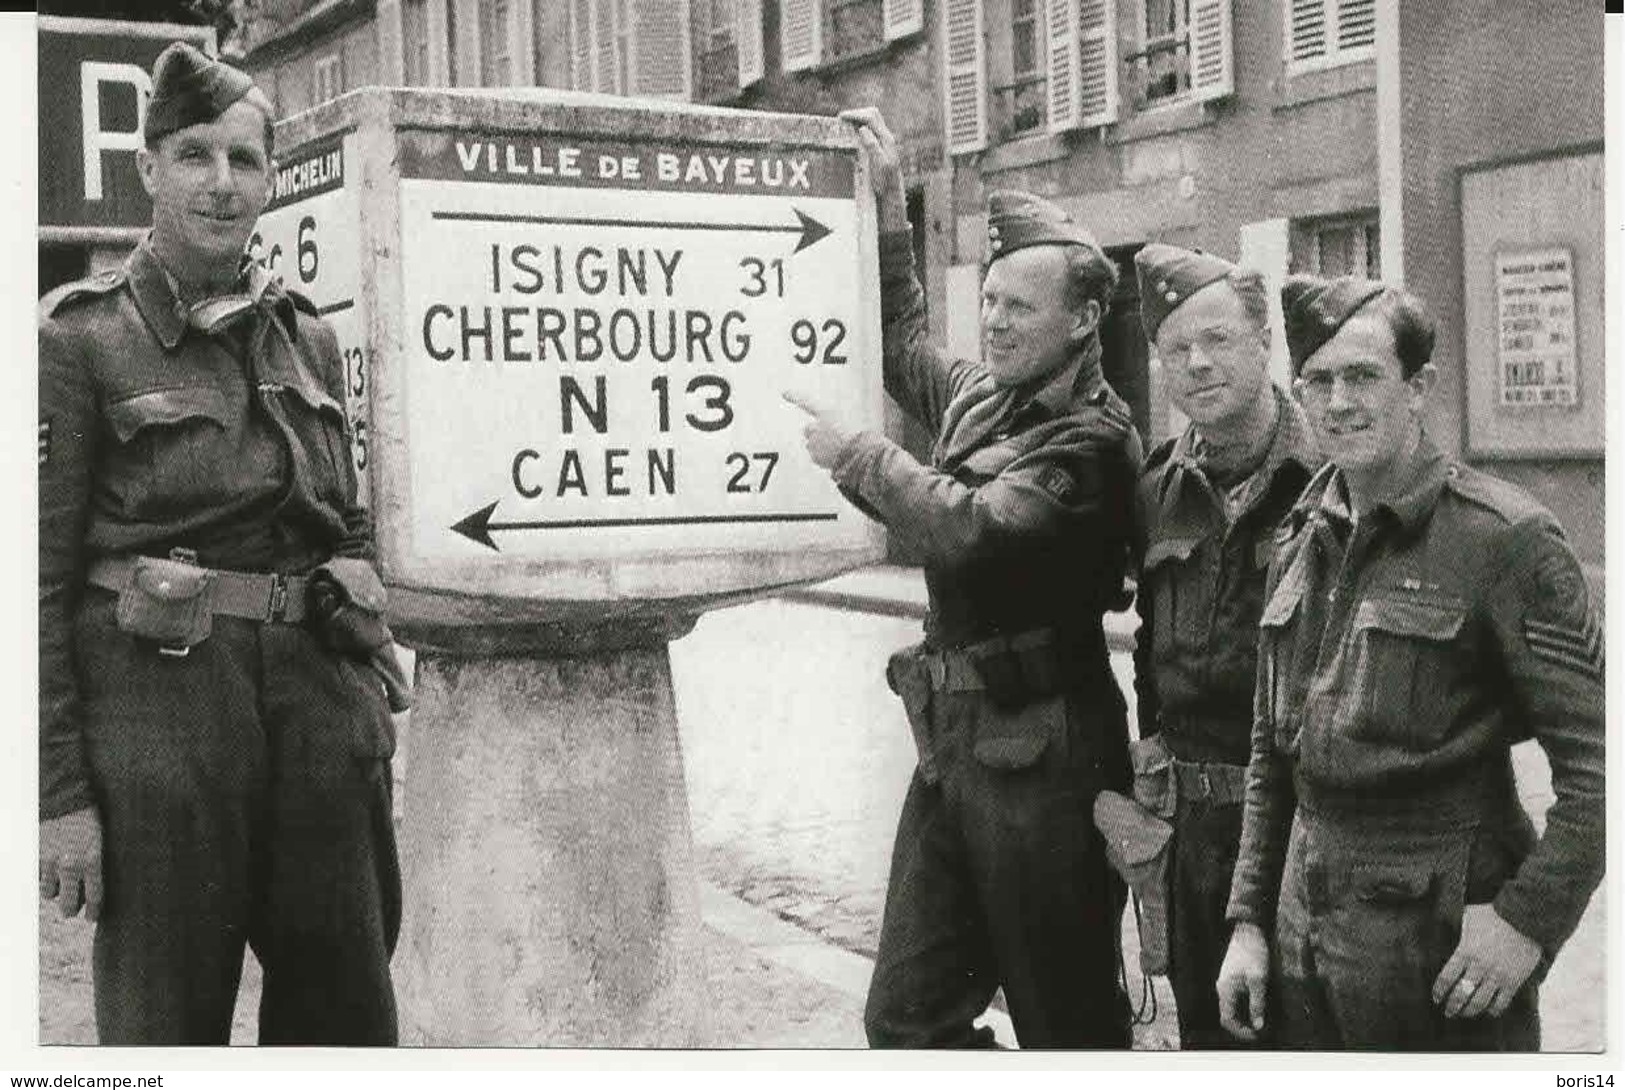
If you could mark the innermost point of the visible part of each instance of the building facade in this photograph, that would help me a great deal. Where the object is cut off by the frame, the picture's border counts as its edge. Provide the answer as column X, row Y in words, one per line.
column 1493, row 187
column 1330, row 136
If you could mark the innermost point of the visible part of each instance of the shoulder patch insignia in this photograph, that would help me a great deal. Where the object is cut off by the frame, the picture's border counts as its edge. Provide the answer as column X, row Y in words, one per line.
column 1562, row 628
column 1057, row 482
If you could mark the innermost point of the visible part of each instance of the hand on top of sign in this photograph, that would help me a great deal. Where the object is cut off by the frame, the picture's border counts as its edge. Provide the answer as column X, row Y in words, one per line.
column 825, row 432
column 884, row 166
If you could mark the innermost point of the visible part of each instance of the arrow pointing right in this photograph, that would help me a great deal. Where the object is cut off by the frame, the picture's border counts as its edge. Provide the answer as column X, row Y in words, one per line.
column 808, row 228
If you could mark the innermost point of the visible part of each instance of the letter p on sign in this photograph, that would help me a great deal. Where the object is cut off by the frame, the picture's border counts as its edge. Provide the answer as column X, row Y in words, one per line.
column 92, row 74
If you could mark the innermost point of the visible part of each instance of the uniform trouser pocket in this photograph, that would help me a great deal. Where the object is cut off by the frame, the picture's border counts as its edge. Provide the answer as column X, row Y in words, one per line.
column 1362, row 936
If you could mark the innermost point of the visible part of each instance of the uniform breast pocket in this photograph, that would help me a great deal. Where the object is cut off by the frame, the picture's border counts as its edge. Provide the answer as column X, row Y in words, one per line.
column 318, row 422
column 177, row 450
column 1400, row 670
column 1178, row 594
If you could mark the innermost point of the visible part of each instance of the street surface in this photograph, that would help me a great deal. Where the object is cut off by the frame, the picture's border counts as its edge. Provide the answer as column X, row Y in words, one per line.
column 798, row 756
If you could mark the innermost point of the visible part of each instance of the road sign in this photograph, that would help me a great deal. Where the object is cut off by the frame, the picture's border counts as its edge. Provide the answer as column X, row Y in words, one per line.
column 567, row 325
column 599, row 332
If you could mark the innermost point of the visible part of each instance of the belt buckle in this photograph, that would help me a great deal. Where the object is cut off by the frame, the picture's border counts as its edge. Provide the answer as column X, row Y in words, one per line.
column 1207, row 784
column 278, row 607
column 174, row 651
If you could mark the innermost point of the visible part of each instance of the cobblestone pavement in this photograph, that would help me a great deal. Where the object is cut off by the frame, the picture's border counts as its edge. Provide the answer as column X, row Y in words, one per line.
column 798, row 756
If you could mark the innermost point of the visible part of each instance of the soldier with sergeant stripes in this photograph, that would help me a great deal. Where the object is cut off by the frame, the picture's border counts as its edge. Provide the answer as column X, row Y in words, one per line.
column 1420, row 618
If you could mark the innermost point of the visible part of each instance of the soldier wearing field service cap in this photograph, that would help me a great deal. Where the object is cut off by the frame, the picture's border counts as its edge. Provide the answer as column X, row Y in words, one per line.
column 1421, row 617
column 998, row 878
column 216, row 680
column 1208, row 505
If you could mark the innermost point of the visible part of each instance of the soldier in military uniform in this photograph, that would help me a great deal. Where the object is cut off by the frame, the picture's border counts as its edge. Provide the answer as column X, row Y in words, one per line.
column 214, row 738
column 1209, row 502
column 1023, row 516
column 1421, row 617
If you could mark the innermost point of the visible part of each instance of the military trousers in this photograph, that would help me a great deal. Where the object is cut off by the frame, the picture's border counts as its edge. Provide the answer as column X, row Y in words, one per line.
column 1369, row 912
column 245, row 797
column 1206, row 839
column 999, row 879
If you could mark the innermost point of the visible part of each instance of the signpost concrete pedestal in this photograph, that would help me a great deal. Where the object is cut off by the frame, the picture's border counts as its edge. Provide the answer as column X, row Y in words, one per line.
column 567, row 321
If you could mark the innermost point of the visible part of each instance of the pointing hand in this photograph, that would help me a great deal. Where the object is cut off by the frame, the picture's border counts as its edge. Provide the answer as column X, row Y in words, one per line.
column 825, row 433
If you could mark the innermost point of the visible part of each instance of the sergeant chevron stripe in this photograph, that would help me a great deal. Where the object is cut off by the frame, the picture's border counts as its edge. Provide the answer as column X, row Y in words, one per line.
column 1563, row 645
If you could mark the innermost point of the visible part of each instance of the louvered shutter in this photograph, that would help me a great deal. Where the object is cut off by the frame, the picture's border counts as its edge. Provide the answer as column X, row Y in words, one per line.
column 902, row 17
column 581, row 45
column 1356, row 25
column 1061, row 49
column 1306, row 36
column 801, row 34
column 661, row 65
column 1097, row 62
column 964, row 79
column 1211, row 53
column 748, row 40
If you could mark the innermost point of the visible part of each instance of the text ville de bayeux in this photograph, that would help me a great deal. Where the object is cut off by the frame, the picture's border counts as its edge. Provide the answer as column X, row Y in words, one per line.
column 767, row 171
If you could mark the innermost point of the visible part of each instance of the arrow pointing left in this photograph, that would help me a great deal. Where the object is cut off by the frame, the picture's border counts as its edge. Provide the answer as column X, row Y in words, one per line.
column 478, row 526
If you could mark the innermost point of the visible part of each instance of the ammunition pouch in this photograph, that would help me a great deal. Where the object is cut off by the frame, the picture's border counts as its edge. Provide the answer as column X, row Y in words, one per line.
column 910, row 678
column 166, row 601
column 345, row 610
column 1137, row 846
column 1018, row 670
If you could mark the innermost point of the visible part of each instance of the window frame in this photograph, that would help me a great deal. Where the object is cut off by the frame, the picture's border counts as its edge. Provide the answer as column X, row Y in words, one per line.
column 1178, row 42
column 1368, row 223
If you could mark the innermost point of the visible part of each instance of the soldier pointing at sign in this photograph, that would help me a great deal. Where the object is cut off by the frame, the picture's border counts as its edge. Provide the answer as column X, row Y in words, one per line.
column 214, row 738
column 1023, row 514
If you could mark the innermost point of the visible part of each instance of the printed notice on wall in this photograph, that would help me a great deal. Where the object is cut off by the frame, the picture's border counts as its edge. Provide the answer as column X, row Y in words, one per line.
column 1535, row 298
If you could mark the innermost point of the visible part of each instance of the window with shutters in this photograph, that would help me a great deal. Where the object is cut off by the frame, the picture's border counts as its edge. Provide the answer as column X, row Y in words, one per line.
column 1162, row 67
column 415, row 42
column 715, row 29
column 1347, row 245
column 632, row 47
column 1020, row 103
column 1322, row 33
column 964, row 76
column 327, row 78
column 496, row 44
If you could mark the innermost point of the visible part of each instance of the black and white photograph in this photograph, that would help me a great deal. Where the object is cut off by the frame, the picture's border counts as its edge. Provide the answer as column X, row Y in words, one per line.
column 820, row 527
